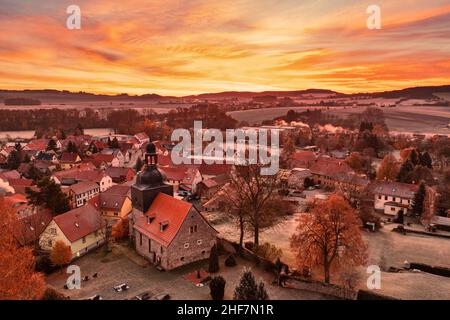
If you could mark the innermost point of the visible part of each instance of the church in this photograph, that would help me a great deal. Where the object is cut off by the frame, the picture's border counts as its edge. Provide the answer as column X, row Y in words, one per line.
column 166, row 231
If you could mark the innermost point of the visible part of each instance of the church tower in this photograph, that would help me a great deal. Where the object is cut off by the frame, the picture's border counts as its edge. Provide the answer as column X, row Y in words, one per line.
column 149, row 182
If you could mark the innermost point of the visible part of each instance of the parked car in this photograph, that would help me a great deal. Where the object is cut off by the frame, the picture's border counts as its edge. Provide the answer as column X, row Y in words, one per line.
column 96, row 297
column 182, row 193
column 161, row 296
column 121, row 287
column 143, row 296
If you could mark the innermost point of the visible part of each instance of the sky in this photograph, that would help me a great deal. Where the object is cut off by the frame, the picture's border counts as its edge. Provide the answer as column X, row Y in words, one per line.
column 183, row 47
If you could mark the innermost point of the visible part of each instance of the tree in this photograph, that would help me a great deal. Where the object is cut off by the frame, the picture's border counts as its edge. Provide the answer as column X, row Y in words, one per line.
column 388, row 169
column 405, row 173
column 61, row 254
column 138, row 165
column 13, row 161
column 213, row 260
column 329, row 236
column 426, row 161
column 217, row 288
column 71, row 147
column 49, row 196
column 26, row 158
column 18, row 280
column 115, row 143
column 256, row 191
column 418, row 201
column 248, row 289
column 357, row 162
column 51, row 145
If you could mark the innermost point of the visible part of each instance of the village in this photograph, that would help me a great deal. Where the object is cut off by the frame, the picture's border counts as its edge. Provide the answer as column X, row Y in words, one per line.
column 119, row 208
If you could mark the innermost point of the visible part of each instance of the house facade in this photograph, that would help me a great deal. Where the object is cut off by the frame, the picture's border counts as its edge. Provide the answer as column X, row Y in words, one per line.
column 83, row 191
column 391, row 197
column 81, row 229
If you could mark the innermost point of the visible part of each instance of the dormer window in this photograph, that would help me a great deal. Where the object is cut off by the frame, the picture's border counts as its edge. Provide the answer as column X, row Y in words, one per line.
column 150, row 219
column 163, row 226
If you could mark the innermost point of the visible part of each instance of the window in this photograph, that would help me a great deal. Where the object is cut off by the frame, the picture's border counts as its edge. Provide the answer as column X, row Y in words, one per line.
column 53, row 231
column 84, row 240
column 116, row 213
column 50, row 243
column 385, row 197
column 182, row 259
column 379, row 197
column 186, row 245
column 392, row 209
column 394, row 199
column 149, row 245
column 140, row 239
column 193, row 229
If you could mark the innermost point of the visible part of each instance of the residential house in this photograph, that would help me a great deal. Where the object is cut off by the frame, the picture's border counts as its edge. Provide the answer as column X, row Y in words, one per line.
column 83, row 191
column 337, row 174
column 301, row 159
column 36, row 145
column 118, row 155
column 114, row 204
column 142, row 138
column 120, row 174
column 391, row 197
column 182, row 177
column 31, row 221
column 296, row 178
column 69, row 160
column 83, row 229
column 103, row 161
column 209, row 187
column 74, row 175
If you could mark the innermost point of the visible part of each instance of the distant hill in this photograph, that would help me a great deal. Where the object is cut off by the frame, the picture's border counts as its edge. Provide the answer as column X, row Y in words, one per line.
column 53, row 96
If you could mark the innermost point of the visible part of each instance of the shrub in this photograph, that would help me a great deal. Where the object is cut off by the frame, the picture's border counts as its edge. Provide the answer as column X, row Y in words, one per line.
column 230, row 261
column 269, row 251
column 213, row 260
column 217, row 288
column 52, row 294
column 248, row 289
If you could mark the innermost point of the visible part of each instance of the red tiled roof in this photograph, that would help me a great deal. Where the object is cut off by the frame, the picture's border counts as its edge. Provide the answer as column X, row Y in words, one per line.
column 141, row 136
column 79, row 222
column 108, row 201
column 118, row 172
column 175, row 173
column 165, row 210
column 68, row 157
column 327, row 166
column 31, row 227
column 84, row 186
column 303, row 156
column 214, row 169
column 396, row 189
column 20, row 182
column 81, row 175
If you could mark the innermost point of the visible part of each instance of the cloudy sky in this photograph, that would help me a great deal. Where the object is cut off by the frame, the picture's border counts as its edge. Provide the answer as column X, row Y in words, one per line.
column 179, row 47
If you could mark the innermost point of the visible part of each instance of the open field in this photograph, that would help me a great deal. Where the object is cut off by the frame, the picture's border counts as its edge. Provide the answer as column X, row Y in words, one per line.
column 408, row 119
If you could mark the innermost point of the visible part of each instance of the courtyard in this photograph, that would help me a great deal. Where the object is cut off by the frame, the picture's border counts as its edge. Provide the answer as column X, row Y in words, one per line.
column 122, row 265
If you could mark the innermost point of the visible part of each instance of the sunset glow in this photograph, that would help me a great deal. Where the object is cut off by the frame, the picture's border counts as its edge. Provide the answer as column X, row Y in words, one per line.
column 181, row 47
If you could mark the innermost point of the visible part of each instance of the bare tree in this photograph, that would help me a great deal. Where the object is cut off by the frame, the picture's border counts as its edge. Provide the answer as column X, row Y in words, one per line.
column 256, row 191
